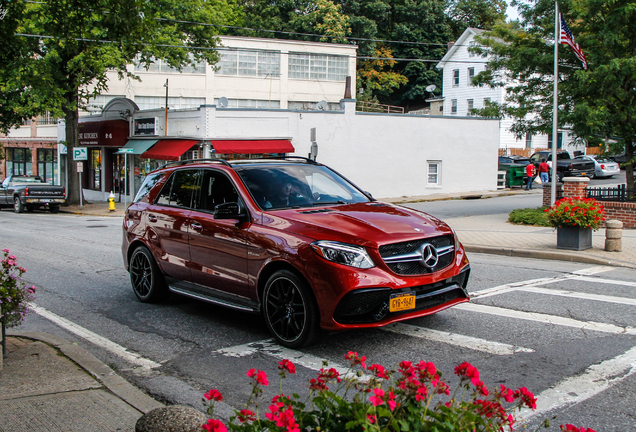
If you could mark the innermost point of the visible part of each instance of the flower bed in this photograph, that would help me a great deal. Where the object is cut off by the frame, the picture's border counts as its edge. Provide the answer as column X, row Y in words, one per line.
column 576, row 213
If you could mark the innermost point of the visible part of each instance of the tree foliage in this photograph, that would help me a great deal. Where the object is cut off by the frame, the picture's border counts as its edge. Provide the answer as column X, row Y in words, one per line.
column 65, row 47
column 482, row 14
column 599, row 102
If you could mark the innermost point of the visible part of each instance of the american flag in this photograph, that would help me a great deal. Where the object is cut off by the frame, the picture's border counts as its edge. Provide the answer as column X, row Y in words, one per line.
column 566, row 38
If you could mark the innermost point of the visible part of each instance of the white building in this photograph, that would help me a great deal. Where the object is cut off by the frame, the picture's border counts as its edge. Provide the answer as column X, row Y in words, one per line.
column 461, row 96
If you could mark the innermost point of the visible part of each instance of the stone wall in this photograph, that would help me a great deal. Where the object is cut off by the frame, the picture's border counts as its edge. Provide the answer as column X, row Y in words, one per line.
column 575, row 187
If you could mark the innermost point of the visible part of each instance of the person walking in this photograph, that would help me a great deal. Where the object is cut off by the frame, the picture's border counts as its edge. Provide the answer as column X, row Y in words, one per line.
column 544, row 169
column 530, row 173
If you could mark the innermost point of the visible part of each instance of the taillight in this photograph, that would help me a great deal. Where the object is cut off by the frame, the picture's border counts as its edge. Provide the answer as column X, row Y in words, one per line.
column 571, row 166
column 26, row 191
column 64, row 192
column 602, row 166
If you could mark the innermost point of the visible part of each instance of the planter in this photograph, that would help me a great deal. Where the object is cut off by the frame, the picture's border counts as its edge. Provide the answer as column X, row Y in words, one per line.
column 574, row 238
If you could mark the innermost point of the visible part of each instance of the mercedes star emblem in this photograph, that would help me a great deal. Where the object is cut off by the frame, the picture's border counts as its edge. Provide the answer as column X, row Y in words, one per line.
column 429, row 256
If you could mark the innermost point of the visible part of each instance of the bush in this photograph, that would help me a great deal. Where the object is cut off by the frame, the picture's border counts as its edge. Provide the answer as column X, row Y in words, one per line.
column 15, row 295
column 529, row 216
column 576, row 212
column 412, row 398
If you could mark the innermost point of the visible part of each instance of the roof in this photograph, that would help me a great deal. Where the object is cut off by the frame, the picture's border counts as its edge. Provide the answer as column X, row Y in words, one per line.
column 470, row 31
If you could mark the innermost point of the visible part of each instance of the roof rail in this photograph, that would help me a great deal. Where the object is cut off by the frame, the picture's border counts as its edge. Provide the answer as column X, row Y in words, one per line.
column 311, row 161
column 183, row 162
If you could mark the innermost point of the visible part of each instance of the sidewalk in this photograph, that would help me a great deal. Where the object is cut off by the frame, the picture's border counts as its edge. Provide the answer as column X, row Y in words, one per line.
column 48, row 384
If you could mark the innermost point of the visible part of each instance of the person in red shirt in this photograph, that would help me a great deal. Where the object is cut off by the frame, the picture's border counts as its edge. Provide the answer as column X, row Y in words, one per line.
column 530, row 172
column 544, row 169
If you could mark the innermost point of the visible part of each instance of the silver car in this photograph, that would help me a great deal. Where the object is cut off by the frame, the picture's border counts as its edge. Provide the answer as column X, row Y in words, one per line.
column 602, row 167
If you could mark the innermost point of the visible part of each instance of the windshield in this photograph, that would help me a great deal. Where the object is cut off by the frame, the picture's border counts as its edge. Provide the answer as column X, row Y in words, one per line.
column 282, row 185
column 26, row 179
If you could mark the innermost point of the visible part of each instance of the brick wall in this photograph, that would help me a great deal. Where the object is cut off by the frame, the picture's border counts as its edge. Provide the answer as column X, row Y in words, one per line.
column 575, row 187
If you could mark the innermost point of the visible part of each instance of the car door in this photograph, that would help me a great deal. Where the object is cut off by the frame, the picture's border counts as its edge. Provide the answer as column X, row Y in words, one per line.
column 217, row 246
column 167, row 221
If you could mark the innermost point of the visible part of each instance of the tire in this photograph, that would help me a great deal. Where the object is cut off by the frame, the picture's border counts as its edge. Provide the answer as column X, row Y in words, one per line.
column 560, row 177
column 18, row 207
column 290, row 310
column 146, row 279
column 54, row 209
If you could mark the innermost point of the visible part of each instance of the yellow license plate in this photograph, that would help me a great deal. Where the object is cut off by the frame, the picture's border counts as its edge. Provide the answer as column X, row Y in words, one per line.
column 583, row 174
column 401, row 302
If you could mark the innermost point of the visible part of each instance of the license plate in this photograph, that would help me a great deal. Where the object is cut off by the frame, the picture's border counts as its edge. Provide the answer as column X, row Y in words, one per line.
column 583, row 174
column 45, row 200
column 401, row 302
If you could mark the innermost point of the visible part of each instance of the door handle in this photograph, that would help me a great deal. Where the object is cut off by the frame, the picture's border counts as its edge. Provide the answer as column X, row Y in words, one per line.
column 152, row 218
column 196, row 226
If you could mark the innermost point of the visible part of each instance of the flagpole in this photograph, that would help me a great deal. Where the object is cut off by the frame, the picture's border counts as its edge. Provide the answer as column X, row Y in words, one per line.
column 555, row 103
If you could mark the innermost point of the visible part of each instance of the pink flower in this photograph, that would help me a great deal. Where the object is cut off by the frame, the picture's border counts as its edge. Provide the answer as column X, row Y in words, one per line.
column 6, row 250
column 214, row 426
column 286, row 365
column 377, row 398
column 214, row 395
column 372, row 419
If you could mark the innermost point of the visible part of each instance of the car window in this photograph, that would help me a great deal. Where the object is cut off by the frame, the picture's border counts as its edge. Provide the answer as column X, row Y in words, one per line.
column 216, row 188
column 180, row 189
column 149, row 182
column 603, row 160
column 563, row 156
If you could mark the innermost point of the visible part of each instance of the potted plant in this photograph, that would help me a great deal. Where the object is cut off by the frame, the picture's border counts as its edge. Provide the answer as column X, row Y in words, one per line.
column 574, row 219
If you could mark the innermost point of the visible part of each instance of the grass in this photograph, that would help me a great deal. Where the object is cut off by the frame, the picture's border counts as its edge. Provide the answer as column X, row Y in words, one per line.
column 529, row 216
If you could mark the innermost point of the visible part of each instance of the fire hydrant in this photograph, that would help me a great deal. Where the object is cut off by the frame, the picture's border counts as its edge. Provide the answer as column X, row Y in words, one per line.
column 111, row 201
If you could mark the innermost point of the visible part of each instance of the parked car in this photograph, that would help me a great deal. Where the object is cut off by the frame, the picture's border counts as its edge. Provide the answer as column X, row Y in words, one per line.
column 506, row 162
column 30, row 192
column 290, row 239
column 566, row 166
column 602, row 167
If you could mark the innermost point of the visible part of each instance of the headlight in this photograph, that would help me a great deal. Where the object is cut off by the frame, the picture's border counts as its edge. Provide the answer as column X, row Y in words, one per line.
column 342, row 253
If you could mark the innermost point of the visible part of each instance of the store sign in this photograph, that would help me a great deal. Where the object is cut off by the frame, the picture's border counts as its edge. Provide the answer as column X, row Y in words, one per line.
column 145, row 126
column 105, row 133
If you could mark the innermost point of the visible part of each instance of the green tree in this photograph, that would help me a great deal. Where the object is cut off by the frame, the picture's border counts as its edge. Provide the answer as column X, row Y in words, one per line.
column 482, row 14
column 377, row 75
column 71, row 44
column 597, row 102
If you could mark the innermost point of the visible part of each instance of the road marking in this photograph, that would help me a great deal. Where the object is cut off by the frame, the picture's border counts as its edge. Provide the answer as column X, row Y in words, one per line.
column 581, row 295
column 593, row 381
column 547, row 319
column 473, row 343
column 606, row 281
column 593, row 270
column 95, row 339
column 270, row 348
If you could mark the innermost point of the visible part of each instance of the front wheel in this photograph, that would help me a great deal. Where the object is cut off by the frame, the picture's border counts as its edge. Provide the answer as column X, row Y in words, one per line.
column 146, row 279
column 18, row 207
column 290, row 310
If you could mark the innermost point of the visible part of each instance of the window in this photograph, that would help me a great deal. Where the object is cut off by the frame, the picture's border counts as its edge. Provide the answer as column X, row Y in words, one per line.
column 486, row 102
column 318, row 66
column 453, row 106
column 149, row 183
column 179, row 189
column 471, row 44
column 94, row 169
column 309, row 106
column 216, row 189
column 244, row 62
column 455, row 77
column 174, row 102
column 18, row 162
column 250, row 103
column 559, row 140
column 159, row 65
column 469, row 103
column 47, row 165
column 434, row 171
column 97, row 103
column 471, row 75
column 528, row 140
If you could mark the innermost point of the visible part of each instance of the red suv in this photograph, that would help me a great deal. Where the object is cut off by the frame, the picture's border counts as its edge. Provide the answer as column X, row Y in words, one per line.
column 291, row 239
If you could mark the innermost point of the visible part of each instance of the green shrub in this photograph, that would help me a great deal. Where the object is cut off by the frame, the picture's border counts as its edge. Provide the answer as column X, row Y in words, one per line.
column 529, row 216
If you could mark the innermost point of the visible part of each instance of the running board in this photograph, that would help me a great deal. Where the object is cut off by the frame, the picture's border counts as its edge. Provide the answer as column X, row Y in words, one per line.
column 214, row 300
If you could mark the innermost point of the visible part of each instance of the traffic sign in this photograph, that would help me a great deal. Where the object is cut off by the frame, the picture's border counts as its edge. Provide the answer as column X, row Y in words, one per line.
column 126, row 150
column 80, row 167
column 80, row 153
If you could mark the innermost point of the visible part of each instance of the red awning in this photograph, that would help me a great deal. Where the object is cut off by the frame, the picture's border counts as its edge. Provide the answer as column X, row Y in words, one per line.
column 169, row 149
column 252, row 146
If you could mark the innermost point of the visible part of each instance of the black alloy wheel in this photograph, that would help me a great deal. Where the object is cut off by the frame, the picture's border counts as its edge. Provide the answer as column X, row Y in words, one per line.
column 18, row 207
column 290, row 310
column 147, row 280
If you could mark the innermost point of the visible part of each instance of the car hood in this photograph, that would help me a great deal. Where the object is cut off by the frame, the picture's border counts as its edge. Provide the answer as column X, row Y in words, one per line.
column 366, row 224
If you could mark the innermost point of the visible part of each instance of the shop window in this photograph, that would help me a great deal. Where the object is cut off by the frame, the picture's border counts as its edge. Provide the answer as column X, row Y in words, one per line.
column 94, row 169
column 453, row 106
column 243, row 62
column 250, row 103
column 434, row 173
column 18, row 161
column 455, row 77
column 318, row 66
column 159, row 65
column 47, row 165
column 174, row 102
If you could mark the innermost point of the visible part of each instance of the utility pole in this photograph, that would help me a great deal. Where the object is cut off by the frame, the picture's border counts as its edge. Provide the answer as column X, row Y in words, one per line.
column 165, row 127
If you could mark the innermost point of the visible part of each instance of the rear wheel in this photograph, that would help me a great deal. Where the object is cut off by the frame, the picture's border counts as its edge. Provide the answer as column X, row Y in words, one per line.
column 54, row 208
column 147, row 280
column 290, row 310
column 18, row 207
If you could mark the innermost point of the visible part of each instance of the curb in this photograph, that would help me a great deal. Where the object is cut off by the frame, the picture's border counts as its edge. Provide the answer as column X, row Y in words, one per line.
column 547, row 255
column 97, row 369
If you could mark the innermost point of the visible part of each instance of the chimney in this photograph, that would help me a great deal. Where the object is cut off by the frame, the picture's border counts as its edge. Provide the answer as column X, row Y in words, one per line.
column 347, row 94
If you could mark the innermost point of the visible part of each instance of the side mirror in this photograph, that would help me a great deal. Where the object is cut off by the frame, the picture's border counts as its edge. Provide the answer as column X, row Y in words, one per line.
column 231, row 210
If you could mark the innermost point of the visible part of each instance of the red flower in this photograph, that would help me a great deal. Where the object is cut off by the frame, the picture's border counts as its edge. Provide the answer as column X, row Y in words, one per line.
column 527, row 397
column 466, row 370
column 572, row 428
column 283, row 416
column 259, row 376
column 214, row 395
column 481, row 388
column 442, row 387
column 354, row 359
column 317, row 384
column 507, row 394
column 286, row 365
column 372, row 419
column 379, row 371
column 377, row 398
column 214, row 426
column 326, row 375
column 246, row 415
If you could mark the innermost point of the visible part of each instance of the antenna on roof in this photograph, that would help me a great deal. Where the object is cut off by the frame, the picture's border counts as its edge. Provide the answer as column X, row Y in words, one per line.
column 223, row 102
column 322, row 105
column 431, row 88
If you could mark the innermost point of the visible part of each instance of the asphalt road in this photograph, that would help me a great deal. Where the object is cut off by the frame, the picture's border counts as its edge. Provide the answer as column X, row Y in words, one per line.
column 563, row 330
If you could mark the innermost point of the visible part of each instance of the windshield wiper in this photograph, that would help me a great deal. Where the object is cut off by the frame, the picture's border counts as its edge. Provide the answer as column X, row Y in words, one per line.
column 329, row 202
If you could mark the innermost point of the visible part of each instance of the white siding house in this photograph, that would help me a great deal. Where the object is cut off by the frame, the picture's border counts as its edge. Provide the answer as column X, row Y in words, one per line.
column 460, row 95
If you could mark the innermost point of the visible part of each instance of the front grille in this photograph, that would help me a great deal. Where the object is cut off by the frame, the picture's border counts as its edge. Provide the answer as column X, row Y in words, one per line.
column 372, row 304
column 406, row 258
